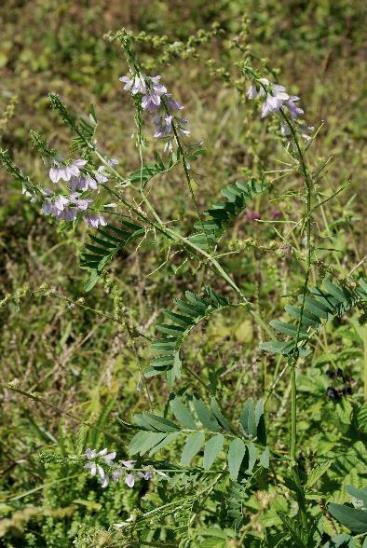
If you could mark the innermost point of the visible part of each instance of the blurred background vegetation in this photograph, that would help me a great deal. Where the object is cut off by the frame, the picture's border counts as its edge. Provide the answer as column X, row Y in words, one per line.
column 71, row 355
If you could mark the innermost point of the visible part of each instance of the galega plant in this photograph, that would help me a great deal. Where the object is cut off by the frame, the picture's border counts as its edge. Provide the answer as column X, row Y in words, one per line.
column 212, row 460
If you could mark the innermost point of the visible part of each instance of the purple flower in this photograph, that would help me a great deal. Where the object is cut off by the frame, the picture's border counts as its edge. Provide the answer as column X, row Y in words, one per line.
column 147, row 475
column 95, row 220
column 151, row 101
column 273, row 103
column 79, row 203
column 66, row 171
column 276, row 97
column 55, row 205
column 82, row 183
column 172, row 104
column 252, row 92
column 158, row 88
column 135, row 85
column 295, row 111
column 89, row 182
column 163, row 125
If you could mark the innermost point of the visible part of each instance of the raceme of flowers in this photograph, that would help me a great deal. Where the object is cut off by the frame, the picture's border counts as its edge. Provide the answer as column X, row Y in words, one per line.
column 74, row 205
column 276, row 98
column 156, row 100
column 97, row 461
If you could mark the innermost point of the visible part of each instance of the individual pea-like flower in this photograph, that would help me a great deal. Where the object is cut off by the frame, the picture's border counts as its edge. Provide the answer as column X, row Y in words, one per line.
column 66, row 171
column 79, row 203
column 83, row 182
column 89, row 182
column 95, row 220
column 134, row 85
column 294, row 110
column 151, row 101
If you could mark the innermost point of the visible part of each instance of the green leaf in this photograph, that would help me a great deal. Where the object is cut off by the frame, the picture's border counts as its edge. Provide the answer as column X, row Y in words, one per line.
column 144, row 441
column 265, row 458
column 166, row 441
column 192, row 446
column 212, row 449
column 360, row 494
column 252, row 454
column 183, row 414
column 236, row 453
column 248, row 419
column 156, row 422
column 219, row 415
column 355, row 520
column 205, row 416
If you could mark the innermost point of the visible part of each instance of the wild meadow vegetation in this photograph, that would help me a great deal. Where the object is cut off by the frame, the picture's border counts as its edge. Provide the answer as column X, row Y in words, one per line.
column 183, row 273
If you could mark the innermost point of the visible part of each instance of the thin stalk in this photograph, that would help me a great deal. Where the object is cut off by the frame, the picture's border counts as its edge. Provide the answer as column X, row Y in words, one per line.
column 308, row 220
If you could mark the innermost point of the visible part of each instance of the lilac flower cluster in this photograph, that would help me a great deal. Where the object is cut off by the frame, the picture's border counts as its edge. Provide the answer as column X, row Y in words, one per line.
column 276, row 97
column 73, row 205
column 125, row 469
column 156, row 100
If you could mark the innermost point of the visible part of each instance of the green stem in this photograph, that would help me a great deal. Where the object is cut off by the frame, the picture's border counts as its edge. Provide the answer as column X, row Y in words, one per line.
column 293, row 445
column 308, row 221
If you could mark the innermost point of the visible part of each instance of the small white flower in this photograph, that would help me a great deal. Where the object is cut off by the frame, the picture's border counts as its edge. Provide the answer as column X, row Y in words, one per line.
column 90, row 453
column 130, row 480
column 147, row 475
column 109, row 458
column 128, row 463
column 92, row 467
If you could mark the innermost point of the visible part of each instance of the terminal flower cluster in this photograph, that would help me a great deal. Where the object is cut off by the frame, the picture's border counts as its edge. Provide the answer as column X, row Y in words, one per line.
column 155, row 99
column 276, row 98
